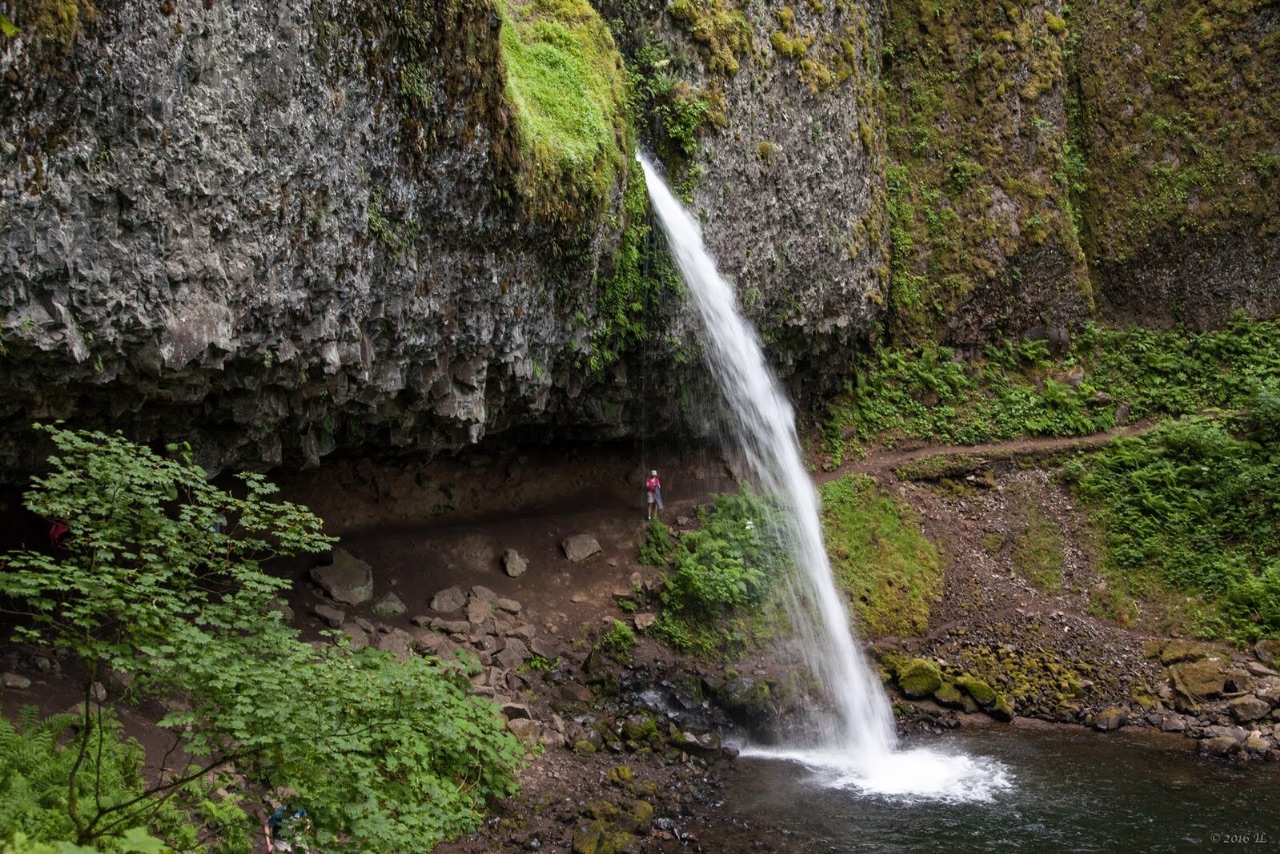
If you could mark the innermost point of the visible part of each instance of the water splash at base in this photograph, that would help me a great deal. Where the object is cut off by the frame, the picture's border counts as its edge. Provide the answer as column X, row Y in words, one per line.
column 906, row 774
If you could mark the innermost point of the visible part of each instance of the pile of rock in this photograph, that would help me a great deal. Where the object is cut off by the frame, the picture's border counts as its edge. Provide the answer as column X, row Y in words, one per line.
column 1231, row 705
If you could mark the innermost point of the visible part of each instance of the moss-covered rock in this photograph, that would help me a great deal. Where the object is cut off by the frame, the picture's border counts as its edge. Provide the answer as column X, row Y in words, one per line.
column 919, row 677
column 949, row 695
column 1177, row 651
column 613, row 827
column 979, row 690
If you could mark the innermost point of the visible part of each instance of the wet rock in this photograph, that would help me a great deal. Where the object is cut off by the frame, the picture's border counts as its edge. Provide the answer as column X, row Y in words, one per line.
column 389, row 606
column 1173, row 723
column 513, row 564
column 579, row 547
column 1111, row 719
column 332, row 616
column 696, row 743
column 347, row 580
column 1249, row 708
column 919, row 678
column 449, row 600
column 1232, row 732
column 15, row 681
column 1256, row 743
column 1220, row 746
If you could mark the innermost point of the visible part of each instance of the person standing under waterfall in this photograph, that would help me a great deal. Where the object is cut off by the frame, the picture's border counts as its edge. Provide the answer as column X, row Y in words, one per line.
column 653, row 490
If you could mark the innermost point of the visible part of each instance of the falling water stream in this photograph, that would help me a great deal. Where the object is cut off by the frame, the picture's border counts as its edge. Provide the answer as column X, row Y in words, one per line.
column 858, row 746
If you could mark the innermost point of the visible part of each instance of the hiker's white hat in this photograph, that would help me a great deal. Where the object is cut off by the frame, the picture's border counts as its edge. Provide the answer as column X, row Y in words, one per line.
column 653, row 473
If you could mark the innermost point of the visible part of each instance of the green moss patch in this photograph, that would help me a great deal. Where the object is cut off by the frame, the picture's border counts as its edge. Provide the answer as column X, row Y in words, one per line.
column 567, row 89
column 981, row 166
column 1180, row 118
column 892, row 572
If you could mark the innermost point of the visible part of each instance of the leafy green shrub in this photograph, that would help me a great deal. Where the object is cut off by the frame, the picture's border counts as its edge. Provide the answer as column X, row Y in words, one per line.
column 926, row 393
column 37, row 758
column 724, row 569
column 1192, row 507
column 619, row 642
column 657, row 547
column 383, row 755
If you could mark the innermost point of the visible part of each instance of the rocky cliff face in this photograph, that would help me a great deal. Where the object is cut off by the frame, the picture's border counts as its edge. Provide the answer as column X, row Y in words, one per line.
column 282, row 229
column 276, row 229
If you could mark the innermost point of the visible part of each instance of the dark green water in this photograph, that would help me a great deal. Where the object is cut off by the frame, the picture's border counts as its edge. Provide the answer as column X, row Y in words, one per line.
column 1071, row 791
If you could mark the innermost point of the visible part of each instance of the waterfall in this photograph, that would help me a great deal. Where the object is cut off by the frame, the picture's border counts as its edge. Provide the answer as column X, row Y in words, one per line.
column 859, row 739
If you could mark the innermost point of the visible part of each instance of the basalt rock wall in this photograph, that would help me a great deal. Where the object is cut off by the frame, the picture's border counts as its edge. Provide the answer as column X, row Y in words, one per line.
column 279, row 229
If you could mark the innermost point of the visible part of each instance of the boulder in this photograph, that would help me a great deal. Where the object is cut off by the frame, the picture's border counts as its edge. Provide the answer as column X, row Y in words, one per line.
column 523, row 729
column 1233, row 732
column 919, row 678
column 1177, row 651
column 334, row 617
column 398, row 642
column 645, row 621
column 389, row 606
column 977, row 689
column 1249, row 708
column 451, row 627
column 478, row 611
column 1256, row 743
column 1111, row 719
column 1195, row 681
column 512, row 710
column 513, row 654
column 545, row 647
column 282, row 608
column 513, row 564
column 949, row 695
column 449, row 600
column 357, row 637
column 348, row 579
column 15, row 681
column 1220, row 746
column 1268, row 652
column 1173, row 723
column 579, row 547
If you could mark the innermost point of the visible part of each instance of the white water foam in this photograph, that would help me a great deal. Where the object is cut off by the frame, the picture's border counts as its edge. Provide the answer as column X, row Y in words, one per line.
column 908, row 775
column 858, row 741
